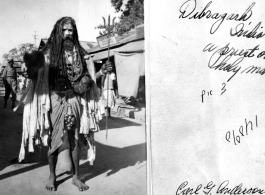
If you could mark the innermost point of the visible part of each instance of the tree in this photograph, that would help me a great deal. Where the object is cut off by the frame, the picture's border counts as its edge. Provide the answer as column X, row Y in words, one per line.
column 131, row 4
column 117, row 4
column 131, row 16
column 17, row 53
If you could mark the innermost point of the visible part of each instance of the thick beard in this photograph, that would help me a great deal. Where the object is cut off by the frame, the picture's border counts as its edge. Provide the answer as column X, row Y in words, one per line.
column 68, row 44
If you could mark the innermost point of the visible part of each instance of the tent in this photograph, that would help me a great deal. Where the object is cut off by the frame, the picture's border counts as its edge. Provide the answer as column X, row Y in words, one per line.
column 130, row 66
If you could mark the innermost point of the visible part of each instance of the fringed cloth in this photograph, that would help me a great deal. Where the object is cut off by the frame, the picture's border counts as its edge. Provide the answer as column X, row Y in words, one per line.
column 108, row 95
column 60, row 102
column 44, row 113
column 85, row 122
column 108, row 98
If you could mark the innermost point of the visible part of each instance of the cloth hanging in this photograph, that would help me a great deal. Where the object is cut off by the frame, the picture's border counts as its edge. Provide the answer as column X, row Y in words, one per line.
column 129, row 67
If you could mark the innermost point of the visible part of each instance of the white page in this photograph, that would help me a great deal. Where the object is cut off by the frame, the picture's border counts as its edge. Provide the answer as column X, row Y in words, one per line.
column 190, row 135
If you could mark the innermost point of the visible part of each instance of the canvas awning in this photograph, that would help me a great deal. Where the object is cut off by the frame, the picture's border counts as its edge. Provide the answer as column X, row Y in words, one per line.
column 102, row 55
column 137, row 47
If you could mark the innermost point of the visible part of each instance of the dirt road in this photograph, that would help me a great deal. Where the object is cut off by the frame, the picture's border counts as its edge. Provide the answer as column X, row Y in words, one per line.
column 119, row 168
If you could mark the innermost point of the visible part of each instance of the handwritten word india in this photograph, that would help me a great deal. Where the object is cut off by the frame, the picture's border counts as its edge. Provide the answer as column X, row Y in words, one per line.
column 227, row 58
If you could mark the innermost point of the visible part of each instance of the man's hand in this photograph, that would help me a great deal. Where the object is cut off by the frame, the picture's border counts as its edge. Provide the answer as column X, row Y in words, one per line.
column 34, row 59
column 107, row 67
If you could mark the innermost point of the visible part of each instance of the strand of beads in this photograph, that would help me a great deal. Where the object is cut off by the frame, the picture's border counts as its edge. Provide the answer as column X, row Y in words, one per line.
column 69, row 118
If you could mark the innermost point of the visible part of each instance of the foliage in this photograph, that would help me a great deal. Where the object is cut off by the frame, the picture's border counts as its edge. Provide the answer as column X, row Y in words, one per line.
column 129, row 5
column 17, row 53
column 117, row 4
column 131, row 16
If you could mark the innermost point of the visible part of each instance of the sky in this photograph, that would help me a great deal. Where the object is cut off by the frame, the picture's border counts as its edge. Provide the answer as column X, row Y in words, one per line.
column 19, row 19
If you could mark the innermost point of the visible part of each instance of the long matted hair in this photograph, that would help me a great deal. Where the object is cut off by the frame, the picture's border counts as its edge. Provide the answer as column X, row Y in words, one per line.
column 54, row 46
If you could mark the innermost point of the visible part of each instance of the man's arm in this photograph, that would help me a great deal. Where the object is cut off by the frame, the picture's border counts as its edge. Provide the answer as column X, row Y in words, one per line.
column 4, row 73
column 4, row 76
column 98, row 74
column 107, row 67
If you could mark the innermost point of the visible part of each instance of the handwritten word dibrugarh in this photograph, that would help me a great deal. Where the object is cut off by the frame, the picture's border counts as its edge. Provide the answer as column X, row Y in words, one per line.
column 223, row 59
column 242, row 131
column 223, row 188
column 187, row 10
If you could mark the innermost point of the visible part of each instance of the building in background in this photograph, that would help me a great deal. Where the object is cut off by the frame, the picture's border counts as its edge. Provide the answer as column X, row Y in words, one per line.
column 127, row 54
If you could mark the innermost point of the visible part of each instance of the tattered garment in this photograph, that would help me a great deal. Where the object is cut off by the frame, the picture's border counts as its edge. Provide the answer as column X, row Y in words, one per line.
column 44, row 113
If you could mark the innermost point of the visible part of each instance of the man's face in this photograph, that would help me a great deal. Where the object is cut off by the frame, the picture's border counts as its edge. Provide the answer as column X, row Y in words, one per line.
column 67, row 31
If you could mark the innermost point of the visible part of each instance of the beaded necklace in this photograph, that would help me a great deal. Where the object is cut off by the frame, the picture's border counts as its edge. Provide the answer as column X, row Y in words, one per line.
column 73, row 65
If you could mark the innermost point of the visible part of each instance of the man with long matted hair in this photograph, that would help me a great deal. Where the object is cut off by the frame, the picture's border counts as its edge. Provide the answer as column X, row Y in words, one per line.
column 61, row 109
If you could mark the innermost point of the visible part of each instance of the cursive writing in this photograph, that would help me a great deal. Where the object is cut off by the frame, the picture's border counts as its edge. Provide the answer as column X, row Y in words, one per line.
column 224, row 59
column 223, row 188
column 242, row 132
column 187, row 10
column 238, row 189
column 183, row 190
column 239, row 31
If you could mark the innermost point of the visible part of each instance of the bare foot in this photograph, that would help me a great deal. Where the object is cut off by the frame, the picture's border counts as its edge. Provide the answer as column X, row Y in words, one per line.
column 81, row 186
column 51, row 184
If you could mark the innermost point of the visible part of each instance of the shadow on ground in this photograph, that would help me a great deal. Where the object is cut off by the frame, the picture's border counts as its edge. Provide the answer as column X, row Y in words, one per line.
column 32, row 161
column 115, row 123
column 114, row 159
column 10, row 132
column 108, row 158
column 111, row 159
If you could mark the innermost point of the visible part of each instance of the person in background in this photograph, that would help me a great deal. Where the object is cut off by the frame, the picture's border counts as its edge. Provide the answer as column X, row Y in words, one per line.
column 108, row 91
column 1, row 75
column 10, row 82
column 2, row 70
column 22, row 80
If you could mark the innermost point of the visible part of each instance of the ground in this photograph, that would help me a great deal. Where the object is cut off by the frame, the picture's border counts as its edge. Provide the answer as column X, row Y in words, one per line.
column 119, row 168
